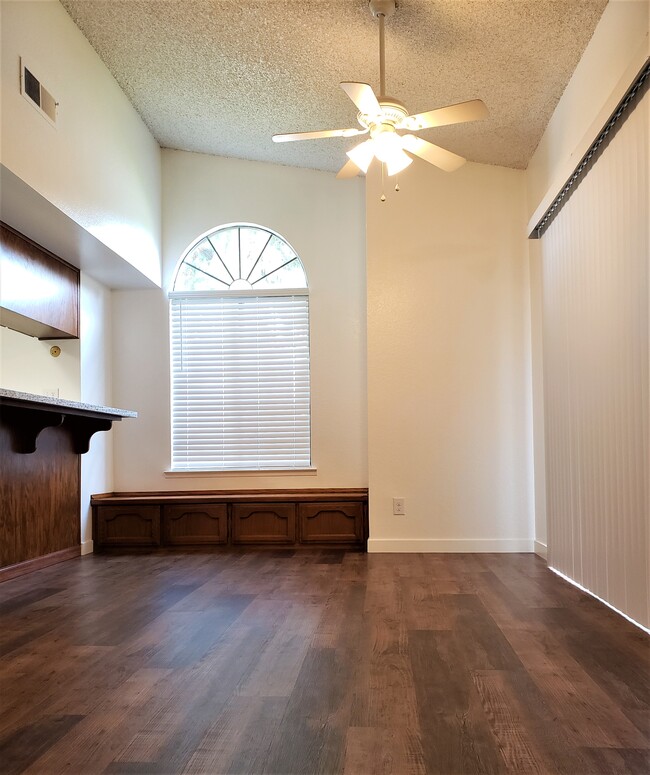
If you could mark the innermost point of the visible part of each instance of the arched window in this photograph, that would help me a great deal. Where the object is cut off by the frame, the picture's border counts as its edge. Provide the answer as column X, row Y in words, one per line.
column 240, row 354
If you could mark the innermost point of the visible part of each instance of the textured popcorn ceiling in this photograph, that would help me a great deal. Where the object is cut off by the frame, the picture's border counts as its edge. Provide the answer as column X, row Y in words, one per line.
column 222, row 76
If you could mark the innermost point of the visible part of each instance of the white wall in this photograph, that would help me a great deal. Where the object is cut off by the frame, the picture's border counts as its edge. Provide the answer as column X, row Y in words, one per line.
column 324, row 220
column 26, row 365
column 100, row 165
column 449, row 424
column 96, row 372
column 620, row 37
column 620, row 33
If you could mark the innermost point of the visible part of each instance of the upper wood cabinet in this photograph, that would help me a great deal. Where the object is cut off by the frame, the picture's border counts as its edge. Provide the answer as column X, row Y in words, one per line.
column 39, row 293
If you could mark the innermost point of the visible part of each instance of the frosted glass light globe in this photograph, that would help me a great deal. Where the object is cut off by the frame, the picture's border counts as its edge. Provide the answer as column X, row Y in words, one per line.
column 387, row 144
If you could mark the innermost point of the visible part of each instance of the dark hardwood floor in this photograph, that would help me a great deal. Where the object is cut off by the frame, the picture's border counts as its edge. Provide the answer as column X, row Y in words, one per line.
column 323, row 662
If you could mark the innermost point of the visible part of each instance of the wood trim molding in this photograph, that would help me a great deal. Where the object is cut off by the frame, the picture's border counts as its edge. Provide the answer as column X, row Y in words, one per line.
column 21, row 568
column 229, row 496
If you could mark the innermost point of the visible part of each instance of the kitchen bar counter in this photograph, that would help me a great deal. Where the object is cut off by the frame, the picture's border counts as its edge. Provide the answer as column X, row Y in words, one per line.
column 34, row 401
column 41, row 441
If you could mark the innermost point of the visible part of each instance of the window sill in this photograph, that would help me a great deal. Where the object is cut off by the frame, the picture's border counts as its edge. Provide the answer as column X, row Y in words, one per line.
column 257, row 472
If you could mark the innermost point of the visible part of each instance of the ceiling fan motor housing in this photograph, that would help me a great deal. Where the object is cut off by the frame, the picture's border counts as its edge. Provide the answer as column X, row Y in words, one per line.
column 392, row 113
column 392, row 109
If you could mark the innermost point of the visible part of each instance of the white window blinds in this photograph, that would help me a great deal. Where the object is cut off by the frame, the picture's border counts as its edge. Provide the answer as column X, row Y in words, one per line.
column 240, row 382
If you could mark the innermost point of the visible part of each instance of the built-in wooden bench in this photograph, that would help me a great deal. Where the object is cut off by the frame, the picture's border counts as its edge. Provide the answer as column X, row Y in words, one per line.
column 222, row 518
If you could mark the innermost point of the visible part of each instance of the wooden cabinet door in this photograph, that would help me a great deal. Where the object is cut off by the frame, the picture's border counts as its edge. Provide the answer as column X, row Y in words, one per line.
column 128, row 525
column 194, row 524
column 331, row 522
column 264, row 523
column 53, row 314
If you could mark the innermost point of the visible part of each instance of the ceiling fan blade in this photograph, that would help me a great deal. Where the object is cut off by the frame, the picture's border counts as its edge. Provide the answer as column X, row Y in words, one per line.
column 348, row 170
column 363, row 97
column 452, row 114
column 317, row 135
column 434, row 154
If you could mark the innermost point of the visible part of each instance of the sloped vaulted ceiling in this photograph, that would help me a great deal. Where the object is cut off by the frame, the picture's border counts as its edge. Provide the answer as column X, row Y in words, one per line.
column 222, row 76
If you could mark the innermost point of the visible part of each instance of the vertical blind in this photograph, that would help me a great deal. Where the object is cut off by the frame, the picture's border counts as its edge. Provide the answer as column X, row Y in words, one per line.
column 240, row 382
column 596, row 384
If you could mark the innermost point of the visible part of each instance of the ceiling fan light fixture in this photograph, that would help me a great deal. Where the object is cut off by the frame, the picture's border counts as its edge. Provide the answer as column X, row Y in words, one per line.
column 397, row 162
column 362, row 154
column 387, row 142
column 388, row 149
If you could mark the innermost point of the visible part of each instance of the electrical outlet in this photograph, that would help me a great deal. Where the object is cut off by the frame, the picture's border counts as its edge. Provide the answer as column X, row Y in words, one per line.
column 399, row 506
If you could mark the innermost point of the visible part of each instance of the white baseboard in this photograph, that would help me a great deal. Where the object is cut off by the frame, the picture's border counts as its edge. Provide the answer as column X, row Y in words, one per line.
column 87, row 547
column 541, row 549
column 430, row 545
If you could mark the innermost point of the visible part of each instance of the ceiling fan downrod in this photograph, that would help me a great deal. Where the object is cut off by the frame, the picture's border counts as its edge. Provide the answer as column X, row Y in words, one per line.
column 381, row 9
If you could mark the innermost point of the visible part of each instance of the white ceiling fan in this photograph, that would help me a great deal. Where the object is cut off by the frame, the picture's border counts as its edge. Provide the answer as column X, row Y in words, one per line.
column 389, row 124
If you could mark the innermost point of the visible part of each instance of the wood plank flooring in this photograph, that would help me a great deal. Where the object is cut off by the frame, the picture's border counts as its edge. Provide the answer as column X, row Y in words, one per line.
column 321, row 662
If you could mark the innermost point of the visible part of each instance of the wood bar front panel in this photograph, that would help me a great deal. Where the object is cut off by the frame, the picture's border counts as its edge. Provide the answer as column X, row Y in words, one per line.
column 129, row 526
column 331, row 522
column 40, row 292
column 195, row 524
column 39, row 497
column 264, row 523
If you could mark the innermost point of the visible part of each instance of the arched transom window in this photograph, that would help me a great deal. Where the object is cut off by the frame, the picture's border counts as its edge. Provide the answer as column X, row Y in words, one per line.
column 240, row 257
column 240, row 354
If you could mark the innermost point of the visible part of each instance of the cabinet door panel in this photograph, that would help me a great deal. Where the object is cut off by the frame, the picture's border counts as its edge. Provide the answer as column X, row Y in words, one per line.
column 264, row 523
column 50, row 309
column 331, row 522
column 193, row 524
column 128, row 526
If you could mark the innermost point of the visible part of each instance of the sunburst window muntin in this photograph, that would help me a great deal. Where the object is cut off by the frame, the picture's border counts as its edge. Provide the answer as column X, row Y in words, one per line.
column 239, row 257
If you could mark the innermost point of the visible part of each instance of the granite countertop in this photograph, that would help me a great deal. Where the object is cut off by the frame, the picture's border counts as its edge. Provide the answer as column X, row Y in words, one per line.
column 49, row 401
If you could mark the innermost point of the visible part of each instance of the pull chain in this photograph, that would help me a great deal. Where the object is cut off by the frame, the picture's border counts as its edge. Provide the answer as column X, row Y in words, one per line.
column 383, row 196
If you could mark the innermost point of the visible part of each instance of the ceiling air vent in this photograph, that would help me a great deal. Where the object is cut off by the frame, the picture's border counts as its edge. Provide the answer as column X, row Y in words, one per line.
column 36, row 94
